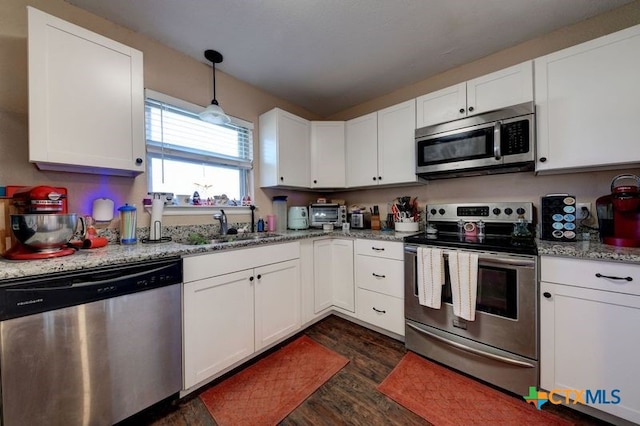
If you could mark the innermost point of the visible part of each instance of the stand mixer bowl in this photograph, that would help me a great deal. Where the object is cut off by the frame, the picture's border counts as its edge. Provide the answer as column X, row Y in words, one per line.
column 43, row 232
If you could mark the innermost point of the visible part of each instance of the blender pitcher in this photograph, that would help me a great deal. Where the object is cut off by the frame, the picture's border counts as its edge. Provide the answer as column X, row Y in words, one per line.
column 127, row 224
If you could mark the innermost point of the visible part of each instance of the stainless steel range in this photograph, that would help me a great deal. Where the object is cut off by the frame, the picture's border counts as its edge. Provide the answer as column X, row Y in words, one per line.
column 498, row 343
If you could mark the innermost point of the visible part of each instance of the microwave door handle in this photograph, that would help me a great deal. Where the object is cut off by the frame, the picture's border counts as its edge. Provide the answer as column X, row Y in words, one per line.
column 496, row 140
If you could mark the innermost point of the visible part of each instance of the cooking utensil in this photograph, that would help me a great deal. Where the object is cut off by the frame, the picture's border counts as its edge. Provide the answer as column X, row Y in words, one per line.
column 42, row 231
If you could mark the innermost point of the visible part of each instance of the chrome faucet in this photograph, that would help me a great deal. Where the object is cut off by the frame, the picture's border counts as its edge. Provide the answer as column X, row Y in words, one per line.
column 223, row 222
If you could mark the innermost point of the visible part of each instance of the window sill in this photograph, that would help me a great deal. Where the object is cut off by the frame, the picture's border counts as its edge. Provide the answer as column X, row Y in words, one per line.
column 202, row 210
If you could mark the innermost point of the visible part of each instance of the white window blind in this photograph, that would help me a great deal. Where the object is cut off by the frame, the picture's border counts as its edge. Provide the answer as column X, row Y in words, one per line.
column 186, row 154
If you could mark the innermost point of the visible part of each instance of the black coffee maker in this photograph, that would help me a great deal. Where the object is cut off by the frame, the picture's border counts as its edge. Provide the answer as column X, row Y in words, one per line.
column 619, row 213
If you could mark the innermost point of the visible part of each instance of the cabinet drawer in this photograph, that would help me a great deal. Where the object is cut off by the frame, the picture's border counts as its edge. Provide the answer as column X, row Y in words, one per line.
column 584, row 273
column 388, row 249
column 382, row 275
column 206, row 265
column 381, row 310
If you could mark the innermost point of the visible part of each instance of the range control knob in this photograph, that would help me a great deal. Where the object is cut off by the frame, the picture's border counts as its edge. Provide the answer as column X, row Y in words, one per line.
column 441, row 211
column 520, row 210
column 508, row 211
column 496, row 211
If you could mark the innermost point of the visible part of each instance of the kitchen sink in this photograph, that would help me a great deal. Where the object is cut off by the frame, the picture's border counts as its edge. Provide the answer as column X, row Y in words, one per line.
column 199, row 239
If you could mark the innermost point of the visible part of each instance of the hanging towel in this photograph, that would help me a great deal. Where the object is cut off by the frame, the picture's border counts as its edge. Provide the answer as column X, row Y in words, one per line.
column 430, row 276
column 463, row 269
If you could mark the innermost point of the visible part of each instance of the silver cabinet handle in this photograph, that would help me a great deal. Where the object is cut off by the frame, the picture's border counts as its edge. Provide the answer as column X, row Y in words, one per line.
column 378, row 276
column 473, row 350
column 599, row 275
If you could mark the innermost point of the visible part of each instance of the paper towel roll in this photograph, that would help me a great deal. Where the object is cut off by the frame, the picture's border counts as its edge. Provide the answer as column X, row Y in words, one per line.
column 102, row 209
column 155, row 226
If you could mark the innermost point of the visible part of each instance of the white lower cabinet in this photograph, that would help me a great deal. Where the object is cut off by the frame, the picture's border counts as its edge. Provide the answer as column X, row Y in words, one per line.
column 228, row 314
column 589, row 332
column 333, row 274
column 380, row 283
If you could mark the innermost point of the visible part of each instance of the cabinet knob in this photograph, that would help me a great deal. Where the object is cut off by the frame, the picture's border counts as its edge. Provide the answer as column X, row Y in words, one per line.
column 470, row 109
column 374, row 178
column 315, row 181
column 138, row 160
column 251, row 278
column 547, row 294
column 543, row 159
column 461, row 110
column 259, row 276
column 379, row 177
column 281, row 178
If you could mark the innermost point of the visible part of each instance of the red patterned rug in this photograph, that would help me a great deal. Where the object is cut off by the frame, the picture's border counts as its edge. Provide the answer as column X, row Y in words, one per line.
column 444, row 398
column 266, row 392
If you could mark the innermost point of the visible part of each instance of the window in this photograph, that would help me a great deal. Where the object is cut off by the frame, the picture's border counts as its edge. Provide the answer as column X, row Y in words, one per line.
column 186, row 154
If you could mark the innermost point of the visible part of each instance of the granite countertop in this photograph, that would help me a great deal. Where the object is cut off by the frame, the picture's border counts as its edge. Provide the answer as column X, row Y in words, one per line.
column 588, row 249
column 115, row 254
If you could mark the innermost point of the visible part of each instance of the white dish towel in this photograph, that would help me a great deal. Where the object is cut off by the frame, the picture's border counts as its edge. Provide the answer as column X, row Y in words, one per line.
column 463, row 269
column 430, row 276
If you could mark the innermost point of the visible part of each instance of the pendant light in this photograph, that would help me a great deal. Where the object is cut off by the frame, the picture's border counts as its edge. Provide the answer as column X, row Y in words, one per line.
column 213, row 113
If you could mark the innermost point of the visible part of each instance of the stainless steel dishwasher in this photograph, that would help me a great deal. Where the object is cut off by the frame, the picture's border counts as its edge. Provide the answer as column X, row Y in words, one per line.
column 90, row 348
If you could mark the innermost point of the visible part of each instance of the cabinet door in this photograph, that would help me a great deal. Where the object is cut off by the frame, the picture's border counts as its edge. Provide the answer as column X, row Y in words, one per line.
column 322, row 275
column 587, row 104
column 218, row 324
column 342, row 271
column 442, row 105
column 284, row 149
column 588, row 340
column 504, row 88
column 396, row 144
column 277, row 301
column 86, row 100
column 327, row 154
column 362, row 150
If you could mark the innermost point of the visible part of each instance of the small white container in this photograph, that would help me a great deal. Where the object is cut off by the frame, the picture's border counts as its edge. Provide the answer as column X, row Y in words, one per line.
column 327, row 227
column 407, row 226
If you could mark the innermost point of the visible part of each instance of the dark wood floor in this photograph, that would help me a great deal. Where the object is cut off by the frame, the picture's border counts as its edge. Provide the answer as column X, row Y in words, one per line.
column 348, row 398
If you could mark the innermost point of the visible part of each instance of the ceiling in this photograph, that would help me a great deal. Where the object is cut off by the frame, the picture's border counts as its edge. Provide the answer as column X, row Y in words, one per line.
column 329, row 55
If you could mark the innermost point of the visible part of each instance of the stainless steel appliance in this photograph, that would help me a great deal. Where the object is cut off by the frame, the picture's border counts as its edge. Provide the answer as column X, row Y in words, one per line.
column 357, row 220
column 501, row 345
column 321, row 214
column 298, row 218
column 93, row 347
column 499, row 141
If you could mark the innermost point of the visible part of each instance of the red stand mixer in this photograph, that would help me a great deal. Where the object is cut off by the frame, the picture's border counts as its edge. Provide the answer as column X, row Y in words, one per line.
column 41, row 226
column 619, row 213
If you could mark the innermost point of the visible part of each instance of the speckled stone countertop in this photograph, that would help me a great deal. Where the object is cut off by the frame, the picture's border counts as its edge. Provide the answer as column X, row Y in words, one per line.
column 589, row 249
column 115, row 254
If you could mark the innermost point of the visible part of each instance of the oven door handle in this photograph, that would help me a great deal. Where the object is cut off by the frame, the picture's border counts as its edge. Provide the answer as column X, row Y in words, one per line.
column 491, row 259
column 473, row 350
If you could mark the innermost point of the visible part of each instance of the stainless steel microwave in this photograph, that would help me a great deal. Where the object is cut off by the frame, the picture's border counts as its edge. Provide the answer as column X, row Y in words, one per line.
column 498, row 141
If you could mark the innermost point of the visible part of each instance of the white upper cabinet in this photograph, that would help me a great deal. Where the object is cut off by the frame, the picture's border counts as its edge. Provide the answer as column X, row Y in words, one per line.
column 327, row 154
column 587, row 105
column 381, row 147
column 509, row 86
column 362, row 150
column 86, row 100
column 284, row 149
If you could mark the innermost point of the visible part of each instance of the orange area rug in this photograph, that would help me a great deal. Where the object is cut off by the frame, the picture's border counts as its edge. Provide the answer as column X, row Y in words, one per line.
column 443, row 397
column 266, row 392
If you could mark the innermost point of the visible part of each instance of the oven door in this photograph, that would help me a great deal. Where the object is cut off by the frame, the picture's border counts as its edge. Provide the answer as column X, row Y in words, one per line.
column 506, row 306
column 324, row 213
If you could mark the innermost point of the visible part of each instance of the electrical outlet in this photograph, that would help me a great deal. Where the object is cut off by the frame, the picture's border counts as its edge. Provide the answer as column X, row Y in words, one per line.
column 581, row 214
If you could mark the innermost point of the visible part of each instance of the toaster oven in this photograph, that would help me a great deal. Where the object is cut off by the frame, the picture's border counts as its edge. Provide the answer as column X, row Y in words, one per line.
column 321, row 214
